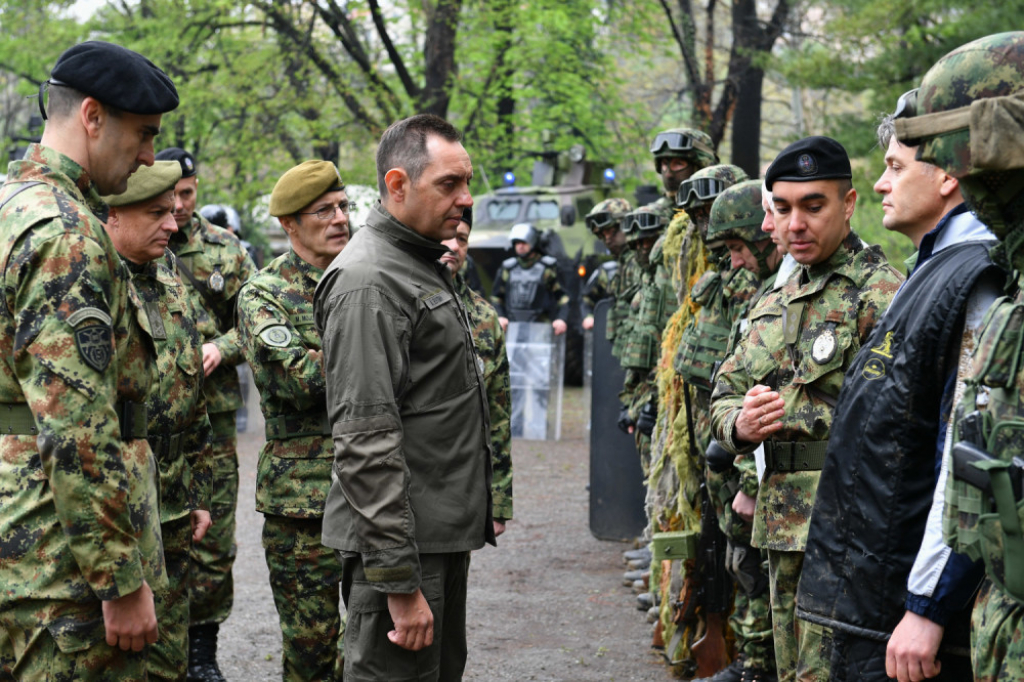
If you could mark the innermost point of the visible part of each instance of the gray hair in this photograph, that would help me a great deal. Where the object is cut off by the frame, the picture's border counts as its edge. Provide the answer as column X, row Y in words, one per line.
column 886, row 130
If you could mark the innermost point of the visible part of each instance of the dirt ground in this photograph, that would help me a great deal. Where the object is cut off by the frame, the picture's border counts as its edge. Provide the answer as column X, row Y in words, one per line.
column 547, row 604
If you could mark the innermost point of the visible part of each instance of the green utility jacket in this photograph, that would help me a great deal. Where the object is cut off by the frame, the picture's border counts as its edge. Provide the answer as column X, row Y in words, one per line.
column 406, row 400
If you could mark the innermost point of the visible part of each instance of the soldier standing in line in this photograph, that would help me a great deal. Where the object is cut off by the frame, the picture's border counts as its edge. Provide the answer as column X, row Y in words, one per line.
column 963, row 122
column 678, row 154
column 79, row 524
column 779, row 387
column 526, row 287
column 140, row 224
column 735, row 223
column 489, row 339
column 213, row 265
column 605, row 222
column 293, row 477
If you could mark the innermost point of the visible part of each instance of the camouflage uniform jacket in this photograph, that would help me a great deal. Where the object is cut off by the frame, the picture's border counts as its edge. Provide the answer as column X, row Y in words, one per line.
column 220, row 265
column 179, row 427
column 78, row 503
column 623, row 287
column 489, row 339
column 652, row 307
column 598, row 287
column 800, row 343
column 550, row 301
column 283, row 348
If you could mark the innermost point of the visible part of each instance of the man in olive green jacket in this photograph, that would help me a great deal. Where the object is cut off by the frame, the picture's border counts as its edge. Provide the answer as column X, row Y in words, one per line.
column 405, row 397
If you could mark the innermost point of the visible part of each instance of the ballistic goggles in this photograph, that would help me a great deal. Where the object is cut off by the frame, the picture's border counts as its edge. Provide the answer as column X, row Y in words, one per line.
column 642, row 221
column 698, row 190
column 677, row 142
column 597, row 222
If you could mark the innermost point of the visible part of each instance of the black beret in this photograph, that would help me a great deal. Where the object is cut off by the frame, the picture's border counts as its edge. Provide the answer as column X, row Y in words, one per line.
column 467, row 215
column 812, row 158
column 116, row 76
column 187, row 161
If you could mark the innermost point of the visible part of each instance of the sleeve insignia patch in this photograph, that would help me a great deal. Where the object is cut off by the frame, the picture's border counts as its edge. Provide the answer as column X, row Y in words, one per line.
column 277, row 336
column 95, row 344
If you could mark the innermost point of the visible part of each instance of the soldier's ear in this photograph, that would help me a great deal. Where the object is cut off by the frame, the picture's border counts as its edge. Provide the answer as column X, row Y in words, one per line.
column 113, row 218
column 397, row 182
column 92, row 115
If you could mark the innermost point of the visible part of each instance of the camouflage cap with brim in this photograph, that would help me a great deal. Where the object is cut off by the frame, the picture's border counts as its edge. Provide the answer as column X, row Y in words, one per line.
column 146, row 183
column 302, row 185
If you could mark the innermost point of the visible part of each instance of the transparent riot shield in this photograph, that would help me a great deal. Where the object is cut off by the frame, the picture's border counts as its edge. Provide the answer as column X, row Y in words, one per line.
column 536, row 360
column 617, row 489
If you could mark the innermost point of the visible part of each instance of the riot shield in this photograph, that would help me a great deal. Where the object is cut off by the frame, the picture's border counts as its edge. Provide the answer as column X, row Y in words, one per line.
column 536, row 360
column 617, row 489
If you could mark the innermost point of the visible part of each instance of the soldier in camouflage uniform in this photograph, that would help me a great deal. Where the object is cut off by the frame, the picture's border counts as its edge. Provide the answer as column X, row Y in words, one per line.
column 734, row 224
column 275, row 324
column 650, row 309
column 489, row 339
column 605, row 222
column 779, row 387
column 984, row 512
column 140, row 224
column 79, row 526
column 678, row 154
column 213, row 264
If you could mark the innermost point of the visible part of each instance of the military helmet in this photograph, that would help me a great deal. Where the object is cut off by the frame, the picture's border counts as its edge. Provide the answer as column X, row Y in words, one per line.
column 646, row 221
column 686, row 143
column 703, row 186
column 966, row 118
column 222, row 216
column 738, row 213
column 524, row 232
column 607, row 213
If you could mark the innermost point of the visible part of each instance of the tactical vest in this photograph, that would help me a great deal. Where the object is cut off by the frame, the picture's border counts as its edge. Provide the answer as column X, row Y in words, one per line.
column 526, row 297
column 987, row 524
column 704, row 340
column 878, row 479
column 651, row 308
column 624, row 288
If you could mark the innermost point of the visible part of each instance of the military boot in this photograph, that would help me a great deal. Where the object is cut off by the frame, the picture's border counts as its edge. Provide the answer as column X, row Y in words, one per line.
column 758, row 675
column 202, row 654
column 730, row 673
column 642, row 553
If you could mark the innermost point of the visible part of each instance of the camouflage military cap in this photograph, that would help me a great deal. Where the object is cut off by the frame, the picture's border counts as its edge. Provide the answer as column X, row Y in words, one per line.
column 646, row 221
column 147, row 182
column 703, row 186
column 302, row 185
column 738, row 214
column 691, row 144
column 962, row 115
column 607, row 213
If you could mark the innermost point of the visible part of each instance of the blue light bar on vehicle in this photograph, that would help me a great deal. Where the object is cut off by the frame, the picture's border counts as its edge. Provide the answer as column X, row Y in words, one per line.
column 509, row 178
column 609, row 175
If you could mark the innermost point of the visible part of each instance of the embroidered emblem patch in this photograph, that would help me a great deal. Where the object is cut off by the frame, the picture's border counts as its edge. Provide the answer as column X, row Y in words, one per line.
column 95, row 345
column 277, row 336
column 806, row 165
column 885, row 348
column 217, row 280
column 873, row 369
column 824, row 347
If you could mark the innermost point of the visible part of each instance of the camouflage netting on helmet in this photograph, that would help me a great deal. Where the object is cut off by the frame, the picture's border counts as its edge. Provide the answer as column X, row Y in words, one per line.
column 671, row 504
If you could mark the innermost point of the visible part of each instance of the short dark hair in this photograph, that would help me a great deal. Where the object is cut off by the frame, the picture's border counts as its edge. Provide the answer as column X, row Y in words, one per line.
column 63, row 101
column 844, row 185
column 886, row 130
column 404, row 145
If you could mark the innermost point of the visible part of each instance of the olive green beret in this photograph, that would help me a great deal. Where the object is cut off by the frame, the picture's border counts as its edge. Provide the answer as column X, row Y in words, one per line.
column 147, row 182
column 302, row 185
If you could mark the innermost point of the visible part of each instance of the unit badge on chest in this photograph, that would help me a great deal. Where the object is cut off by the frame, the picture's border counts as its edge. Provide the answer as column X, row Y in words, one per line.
column 824, row 348
column 217, row 280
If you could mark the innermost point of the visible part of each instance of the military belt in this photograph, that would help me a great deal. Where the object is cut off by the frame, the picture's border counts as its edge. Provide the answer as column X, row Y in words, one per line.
column 17, row 419
column 168, row 446
column 296, row 425
column 794, row 456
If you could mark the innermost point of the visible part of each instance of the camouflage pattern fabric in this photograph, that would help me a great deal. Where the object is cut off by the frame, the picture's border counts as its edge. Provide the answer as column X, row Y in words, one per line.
column 220, row 264
column 168, row 657
column 997, row 636
column 305, row 577
column 293, row 476
column 79, row 520
column 623, row 287
column 489, row 339
column 803, row 650
column 837, row 301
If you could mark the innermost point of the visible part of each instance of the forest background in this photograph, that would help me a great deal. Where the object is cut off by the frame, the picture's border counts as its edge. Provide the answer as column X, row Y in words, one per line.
column 265, row 85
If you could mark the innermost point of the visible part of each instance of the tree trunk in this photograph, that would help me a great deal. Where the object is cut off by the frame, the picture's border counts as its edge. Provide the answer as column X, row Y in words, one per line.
column 439, row 57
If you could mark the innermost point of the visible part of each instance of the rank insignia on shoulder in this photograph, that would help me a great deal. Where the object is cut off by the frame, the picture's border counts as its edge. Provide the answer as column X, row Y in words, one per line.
column 217, row 280
column 824, row 348
column 277, row 336
column 95, row 345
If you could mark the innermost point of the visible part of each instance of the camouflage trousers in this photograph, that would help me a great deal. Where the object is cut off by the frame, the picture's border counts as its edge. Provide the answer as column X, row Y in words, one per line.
column 803, row 650
column 168, row 658
column 997, row 636
column 212, row 587
column 74, row 651
column 305, row 578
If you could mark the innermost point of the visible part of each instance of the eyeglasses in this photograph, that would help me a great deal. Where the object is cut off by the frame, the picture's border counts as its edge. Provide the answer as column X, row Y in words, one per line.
column 675, row 142
column 704, row 189
column 600, row 221
column 327, row 212
column 641, row 221
column 906, row 105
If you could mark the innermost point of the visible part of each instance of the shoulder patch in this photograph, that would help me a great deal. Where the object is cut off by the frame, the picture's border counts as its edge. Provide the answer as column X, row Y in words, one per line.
column 278, row 336
column 95, row 344
column 83, row 314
